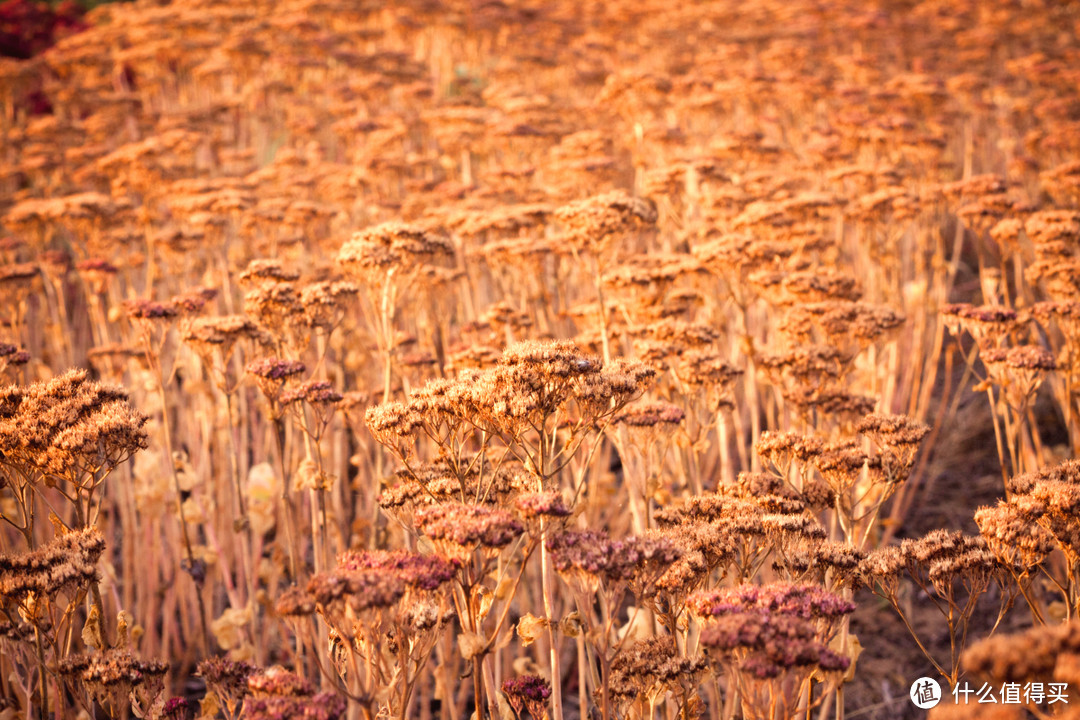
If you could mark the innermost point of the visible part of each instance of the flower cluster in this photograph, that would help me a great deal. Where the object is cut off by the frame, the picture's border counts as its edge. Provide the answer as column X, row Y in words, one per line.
column 592, row 557
column 66, row 564
column 765, row 644
column 528, row 692
column 597, row 221
column 69, row 428
column 116, row 679
column 392, row 245
column 652, row 666
column 277, row 694
column 425, row 572
column 802, row 601
column 227, row 679
column 459, row 529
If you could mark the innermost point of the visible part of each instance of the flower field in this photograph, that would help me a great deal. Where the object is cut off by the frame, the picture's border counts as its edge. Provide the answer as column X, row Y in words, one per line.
column 509, row 359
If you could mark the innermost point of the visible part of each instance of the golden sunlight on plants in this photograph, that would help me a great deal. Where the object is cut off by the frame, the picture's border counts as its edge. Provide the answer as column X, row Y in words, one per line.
column 546, row 360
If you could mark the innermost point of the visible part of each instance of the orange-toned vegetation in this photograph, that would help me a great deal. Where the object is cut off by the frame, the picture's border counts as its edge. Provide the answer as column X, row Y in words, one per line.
column 537, row 359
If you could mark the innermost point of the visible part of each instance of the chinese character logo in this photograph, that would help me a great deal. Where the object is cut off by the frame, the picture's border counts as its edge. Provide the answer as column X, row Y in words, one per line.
column 925, row 693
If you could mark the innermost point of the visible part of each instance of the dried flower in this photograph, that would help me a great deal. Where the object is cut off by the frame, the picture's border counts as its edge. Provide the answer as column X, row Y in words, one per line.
column 650, row 414
column 323, row 706
column 175, row 708
column 651, row 667
column 766, row 645
column 990, row 325
column 459, row 529
column 542, row 504
column 275, row 369
column 594, row 222
column 1013, row 533
column 529, row 692
column 66, row 564
column 802, row 601
column 344, row 590
column 228, row 679
column 277, row 682
column 314, row 392
column 424, row 572
column 116, row 678
column 392, row 245
column 143, row 309
column 68, row 428
column 267, row 269
column 591, row 557
column 193, row 301
column 271, row 374
column 1022, row 657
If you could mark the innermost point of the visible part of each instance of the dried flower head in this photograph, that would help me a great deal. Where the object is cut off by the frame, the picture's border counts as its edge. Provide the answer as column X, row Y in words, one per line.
column 1013, row 533
column 384, row 248
column 423, row 572
column 344, row 593
column 528, row 692
column 325, row 302
column 66, row 564
column 1022, row 357
column 547, row 504
column 589, row 558
column 323, row 706
column 650, row 414
column 313, row 392
column 116, row 679
column 767, row 645
column 459, row 529
column 1032, row 655
column 802, row 601
column 268, row 269
column 990, row 325
column 207, row 333
column 782, row 449
column 143, row 309
column 272, row 373
column 651, row 667
column 68, row 428
column 193, row 301
column 227, row 679
column 595, row 222
column 279, row 682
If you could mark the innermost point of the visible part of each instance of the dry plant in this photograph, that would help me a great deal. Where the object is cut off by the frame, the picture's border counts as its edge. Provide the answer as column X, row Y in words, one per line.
column 533, row 360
